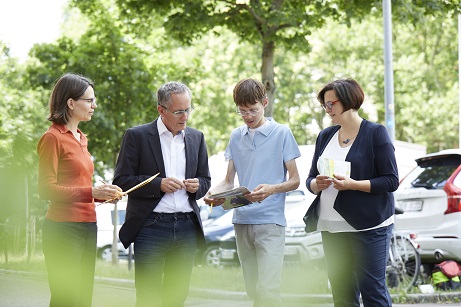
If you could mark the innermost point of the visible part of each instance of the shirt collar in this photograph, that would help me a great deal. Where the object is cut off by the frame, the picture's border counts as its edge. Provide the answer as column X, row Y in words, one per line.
column 264, row 130
column 162, row 128
column 63, row 129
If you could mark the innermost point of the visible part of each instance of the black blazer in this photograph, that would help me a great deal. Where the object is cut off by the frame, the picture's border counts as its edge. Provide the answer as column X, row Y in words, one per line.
column 140, row 158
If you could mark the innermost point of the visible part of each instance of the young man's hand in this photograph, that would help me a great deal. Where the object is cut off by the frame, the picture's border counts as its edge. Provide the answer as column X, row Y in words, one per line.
column 260, row 193
column 214, row 202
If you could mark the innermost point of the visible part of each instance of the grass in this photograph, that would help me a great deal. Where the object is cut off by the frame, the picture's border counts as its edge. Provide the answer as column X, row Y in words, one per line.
column 296, row 279
column 19, row 262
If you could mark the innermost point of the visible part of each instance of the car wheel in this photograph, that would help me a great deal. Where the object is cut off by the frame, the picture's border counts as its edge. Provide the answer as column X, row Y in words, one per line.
column 211, row 256
column 105, row 253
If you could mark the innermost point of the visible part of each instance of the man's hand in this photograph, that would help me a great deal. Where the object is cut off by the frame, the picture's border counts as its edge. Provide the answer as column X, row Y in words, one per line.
column 191, row 185
column 213, row 202
column 260, row 193
column 171, row 185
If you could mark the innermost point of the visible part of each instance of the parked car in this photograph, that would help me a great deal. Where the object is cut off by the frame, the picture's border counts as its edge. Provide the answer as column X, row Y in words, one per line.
column 300, row 247
column 214, row 232
column 105, row 223
column 430, row 195
column 208, row 214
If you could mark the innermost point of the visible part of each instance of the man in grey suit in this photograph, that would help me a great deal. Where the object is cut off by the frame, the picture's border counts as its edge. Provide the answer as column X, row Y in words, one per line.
column 162, row 217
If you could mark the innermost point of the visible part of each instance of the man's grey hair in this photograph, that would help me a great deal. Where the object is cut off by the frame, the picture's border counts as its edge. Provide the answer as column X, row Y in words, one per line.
column 165, row 91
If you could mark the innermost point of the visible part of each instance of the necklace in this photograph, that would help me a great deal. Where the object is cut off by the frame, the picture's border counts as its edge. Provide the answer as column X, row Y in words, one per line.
column 348, row 140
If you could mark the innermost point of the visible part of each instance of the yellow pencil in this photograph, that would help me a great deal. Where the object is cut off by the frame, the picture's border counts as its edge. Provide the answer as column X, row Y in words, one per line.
column 135, row 187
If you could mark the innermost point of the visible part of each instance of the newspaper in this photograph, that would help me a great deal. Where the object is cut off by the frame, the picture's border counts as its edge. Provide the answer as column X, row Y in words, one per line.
column 234, row 198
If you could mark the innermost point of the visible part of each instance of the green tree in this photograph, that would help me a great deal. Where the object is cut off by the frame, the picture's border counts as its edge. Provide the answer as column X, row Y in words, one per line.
column 123, row 82
column 426, row 72
column 19, row 116
column 269, row 23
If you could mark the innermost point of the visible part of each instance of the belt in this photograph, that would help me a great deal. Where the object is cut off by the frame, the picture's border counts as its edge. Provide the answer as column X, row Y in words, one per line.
column 174, row 216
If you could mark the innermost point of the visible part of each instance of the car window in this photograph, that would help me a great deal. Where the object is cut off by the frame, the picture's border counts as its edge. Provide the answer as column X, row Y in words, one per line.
column 431, row 174
column 121, row 216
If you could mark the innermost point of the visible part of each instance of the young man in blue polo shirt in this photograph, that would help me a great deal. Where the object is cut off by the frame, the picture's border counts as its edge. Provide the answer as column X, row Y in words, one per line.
column 260, row 152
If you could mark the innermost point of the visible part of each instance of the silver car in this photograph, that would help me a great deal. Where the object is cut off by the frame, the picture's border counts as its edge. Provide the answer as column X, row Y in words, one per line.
column 300, row 247
column 430, row 195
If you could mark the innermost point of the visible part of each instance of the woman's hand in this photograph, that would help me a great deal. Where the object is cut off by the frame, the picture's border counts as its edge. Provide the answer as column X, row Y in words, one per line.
column 342, row 183
column 107, row 192
column 322, row 183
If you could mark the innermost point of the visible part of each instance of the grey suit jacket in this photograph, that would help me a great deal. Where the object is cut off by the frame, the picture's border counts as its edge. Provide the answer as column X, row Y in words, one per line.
column 140, row 158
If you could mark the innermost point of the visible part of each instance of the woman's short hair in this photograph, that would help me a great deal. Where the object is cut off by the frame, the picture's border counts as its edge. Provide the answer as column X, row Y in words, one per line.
column 248, row 92
column 68, row 86
column 348, row 91
column 166, row 90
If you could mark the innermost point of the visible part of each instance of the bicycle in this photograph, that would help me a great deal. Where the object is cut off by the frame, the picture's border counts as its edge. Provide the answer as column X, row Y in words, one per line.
column 403, row 265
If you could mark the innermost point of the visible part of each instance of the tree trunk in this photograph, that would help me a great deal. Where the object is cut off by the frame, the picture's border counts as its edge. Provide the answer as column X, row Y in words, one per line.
column 267, row 75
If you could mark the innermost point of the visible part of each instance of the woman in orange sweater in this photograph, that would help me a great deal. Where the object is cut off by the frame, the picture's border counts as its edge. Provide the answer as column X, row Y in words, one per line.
column 65, row 178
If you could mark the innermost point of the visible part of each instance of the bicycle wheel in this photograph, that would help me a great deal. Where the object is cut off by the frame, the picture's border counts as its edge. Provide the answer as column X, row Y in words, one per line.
column 404, row 263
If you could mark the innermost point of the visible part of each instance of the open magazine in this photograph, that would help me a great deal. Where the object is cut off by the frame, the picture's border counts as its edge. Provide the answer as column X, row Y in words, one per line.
column 234, row 198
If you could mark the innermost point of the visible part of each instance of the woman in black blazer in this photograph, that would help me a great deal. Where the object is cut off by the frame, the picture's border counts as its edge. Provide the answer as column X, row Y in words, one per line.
column 353, row 173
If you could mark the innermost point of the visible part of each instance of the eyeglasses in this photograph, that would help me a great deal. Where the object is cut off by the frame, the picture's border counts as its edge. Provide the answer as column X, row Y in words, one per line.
column 329, row 104
column 179, row 113
column 89, row 100
column 251, row 112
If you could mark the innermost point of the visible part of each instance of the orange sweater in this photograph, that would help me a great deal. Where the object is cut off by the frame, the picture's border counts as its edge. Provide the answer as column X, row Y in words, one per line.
column 65, row 175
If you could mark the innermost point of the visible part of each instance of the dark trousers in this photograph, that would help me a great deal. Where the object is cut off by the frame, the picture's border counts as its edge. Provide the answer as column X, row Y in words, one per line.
column 70, row 255
column 356, row 264
column 164, row 251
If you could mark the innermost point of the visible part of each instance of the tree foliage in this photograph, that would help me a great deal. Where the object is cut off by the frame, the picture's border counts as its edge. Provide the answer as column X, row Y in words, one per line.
column 129, row 51
column 270, row 23
column 426, row 69
column 123, row 82
column 19, row 129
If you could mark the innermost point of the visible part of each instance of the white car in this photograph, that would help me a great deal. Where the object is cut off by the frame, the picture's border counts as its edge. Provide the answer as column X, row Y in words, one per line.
column 105, row 218
column 430, row 196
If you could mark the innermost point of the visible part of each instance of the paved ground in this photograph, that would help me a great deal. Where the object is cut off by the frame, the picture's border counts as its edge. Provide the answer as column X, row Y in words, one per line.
column 19, row 289
column 27, row 291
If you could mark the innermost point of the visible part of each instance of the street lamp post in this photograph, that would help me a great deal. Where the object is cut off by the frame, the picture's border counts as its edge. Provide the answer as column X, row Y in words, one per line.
column 388, row 70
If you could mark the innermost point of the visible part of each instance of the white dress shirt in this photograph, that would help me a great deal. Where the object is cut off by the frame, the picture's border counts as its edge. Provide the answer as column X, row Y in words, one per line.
column 174, row 157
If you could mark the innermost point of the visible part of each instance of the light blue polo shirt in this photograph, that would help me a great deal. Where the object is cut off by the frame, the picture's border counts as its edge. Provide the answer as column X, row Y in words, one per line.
column 258, row 160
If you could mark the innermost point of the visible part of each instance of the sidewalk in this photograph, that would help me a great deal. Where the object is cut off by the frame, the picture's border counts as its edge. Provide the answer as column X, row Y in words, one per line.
column 439, row 297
